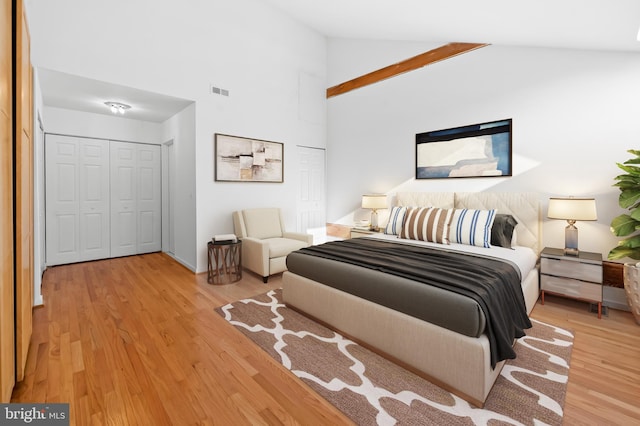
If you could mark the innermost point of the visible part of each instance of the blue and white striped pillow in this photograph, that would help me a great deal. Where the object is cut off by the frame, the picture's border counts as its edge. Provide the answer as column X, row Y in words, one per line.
column 396, row 219
column 472, row 227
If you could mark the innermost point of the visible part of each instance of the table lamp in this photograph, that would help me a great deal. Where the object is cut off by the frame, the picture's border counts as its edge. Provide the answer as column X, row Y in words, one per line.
column 572, row 209
column 374, row 202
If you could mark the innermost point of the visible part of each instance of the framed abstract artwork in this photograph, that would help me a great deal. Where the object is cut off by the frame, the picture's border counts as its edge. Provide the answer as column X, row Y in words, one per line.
column 477, row 150
column 239, row 159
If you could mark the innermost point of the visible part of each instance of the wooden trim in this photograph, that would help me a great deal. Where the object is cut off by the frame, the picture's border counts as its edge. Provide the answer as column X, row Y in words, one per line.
column 24, row 191
column 7, row 322
column 432, row 56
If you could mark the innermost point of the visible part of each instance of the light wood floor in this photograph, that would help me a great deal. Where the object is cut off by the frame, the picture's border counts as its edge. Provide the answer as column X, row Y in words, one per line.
column 135, row 340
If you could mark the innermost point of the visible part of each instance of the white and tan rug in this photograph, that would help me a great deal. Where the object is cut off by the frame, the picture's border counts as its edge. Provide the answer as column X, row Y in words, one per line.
column 372, row 390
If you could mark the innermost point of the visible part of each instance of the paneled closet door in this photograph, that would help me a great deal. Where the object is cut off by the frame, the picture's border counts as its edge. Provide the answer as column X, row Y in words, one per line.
column 77, row 199
column 149, row 199
column 94, row 200
column 62, row 200
column 123, row 199
column 135, row 199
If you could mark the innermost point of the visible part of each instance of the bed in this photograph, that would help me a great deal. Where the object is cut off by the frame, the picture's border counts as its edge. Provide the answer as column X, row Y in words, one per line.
column 461, row 357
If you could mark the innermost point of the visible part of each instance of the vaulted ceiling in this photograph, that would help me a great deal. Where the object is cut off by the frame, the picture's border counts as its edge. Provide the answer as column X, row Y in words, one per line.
column 578, row 24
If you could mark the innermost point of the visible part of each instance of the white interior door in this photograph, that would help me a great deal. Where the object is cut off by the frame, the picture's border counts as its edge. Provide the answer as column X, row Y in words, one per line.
column 103, row 199
column 311, row 198
column 136, row 199
column 149, row 200
column 77, row 199
column 123, row 199
column 62, row 200
column 94, row 235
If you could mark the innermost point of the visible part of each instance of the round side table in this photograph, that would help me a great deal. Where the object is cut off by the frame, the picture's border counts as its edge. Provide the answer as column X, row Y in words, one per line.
column 224, row 261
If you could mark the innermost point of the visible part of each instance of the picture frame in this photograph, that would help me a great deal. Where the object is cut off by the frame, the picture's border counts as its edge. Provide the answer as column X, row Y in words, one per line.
column 477, row 150
column 240, row 159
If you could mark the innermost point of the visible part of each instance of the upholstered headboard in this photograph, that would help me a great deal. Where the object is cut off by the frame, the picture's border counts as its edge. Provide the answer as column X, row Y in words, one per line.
column 524, row 206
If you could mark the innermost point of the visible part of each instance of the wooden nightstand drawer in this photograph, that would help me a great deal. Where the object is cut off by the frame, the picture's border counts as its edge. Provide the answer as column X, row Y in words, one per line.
column 578, row 270
column 572, row 288
column 357, row 233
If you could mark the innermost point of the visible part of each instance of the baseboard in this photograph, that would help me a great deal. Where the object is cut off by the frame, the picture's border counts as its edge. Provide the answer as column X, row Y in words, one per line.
column 182, row 262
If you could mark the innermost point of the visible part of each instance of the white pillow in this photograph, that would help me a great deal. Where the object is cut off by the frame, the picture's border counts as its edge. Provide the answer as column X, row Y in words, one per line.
column 472, row 227
column 396, row 219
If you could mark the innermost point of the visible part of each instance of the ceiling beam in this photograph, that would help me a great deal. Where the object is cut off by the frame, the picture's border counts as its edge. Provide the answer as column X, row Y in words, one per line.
column 436, row 55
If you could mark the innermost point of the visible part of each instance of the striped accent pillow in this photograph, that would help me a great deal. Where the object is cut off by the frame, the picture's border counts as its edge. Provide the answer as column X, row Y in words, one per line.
column 427, row 224
column 472, row 227
column 396, row 219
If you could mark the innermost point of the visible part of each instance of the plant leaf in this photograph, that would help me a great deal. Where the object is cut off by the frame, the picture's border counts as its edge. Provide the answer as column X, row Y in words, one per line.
column 623, row 225
column 621, row 252
column 629, row 197
column 627, row 178
column 632, row 170
column 632, row 242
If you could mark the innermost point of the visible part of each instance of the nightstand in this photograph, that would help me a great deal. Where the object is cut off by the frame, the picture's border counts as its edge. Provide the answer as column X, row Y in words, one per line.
column 362, row 232
column 578, row 277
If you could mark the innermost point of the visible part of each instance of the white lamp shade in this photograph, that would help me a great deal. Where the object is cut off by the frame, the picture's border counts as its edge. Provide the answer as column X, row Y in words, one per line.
column 374, row 201
column 572, row 208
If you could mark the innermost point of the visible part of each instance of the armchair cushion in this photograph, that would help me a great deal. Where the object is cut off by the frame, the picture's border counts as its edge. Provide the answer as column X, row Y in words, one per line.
column 263, row 223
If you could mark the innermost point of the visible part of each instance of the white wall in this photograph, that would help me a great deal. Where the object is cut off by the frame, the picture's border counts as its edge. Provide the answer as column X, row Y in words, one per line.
column 575, row 113
column 90, row 125
column 260, row 55
column 180, row 130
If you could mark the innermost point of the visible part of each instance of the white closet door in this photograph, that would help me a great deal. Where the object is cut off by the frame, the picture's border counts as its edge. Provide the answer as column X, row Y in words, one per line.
column 135, row 199
column 123, row 199
column 103, row 199
column 77, row 200
column 94, row 199
column 149, row 199
column 63, row 205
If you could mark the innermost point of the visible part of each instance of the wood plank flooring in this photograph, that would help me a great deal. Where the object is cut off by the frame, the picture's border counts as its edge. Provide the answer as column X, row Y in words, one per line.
column 135, row 340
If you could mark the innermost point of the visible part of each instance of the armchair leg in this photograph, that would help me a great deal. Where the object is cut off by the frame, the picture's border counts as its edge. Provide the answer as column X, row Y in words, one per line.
column 265, row 279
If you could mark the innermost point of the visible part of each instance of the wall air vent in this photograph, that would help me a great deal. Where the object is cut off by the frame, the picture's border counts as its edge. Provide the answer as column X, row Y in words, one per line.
column 219, row 91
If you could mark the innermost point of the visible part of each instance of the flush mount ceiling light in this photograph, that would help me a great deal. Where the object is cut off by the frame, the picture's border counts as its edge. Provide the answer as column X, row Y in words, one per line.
column 117, row 107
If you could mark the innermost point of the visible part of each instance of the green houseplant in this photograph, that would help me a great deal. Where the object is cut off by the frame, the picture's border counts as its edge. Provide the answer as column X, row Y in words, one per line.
column 628, row 226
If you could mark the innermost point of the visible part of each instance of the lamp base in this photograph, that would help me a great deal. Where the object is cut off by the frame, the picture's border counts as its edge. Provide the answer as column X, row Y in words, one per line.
column 571, row 239
column 374, row 221
column 571, row 251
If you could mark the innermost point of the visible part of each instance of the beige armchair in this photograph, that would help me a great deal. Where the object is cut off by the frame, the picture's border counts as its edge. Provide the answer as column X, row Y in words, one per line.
column 265, row 244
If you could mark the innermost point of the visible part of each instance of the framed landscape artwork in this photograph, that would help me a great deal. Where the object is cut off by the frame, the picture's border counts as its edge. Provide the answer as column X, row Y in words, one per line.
column 477, row 150
column 239, row 159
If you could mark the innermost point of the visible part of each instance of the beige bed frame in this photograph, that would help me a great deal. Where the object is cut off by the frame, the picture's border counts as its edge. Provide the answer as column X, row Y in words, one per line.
column 457, row 363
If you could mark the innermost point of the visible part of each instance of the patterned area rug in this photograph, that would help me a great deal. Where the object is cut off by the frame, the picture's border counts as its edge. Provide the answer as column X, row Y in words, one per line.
column 372, row 390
